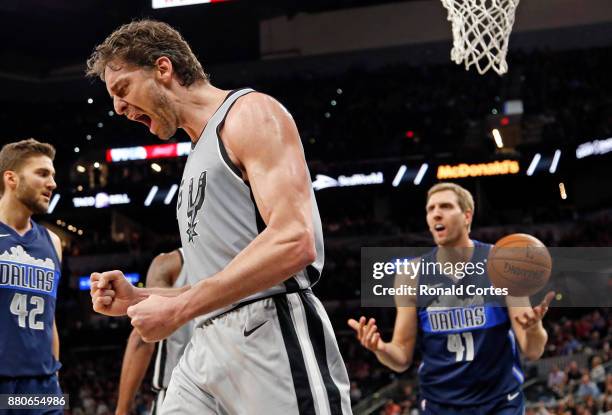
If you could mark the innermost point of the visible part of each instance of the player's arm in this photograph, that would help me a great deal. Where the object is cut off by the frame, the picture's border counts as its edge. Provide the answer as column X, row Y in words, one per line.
column 262, row 137
column 527, row 324
column 163, row 272
column 399, row 352
column 55, row 343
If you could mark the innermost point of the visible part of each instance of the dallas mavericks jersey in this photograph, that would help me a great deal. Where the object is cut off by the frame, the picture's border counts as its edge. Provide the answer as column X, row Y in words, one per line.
column 170, row 350
column 217, row 215
column 29, row 276
column 469, row 352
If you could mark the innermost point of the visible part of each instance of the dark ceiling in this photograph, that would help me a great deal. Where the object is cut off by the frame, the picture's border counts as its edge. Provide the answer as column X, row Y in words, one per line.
column 45, row 39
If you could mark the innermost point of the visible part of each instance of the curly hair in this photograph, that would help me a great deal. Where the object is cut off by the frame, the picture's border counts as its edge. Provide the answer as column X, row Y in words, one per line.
column 141, row 43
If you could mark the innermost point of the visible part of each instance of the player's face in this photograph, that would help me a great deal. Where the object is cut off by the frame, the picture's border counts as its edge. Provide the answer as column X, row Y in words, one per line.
column 138, row 95
column 36, row 182
column 447, row 223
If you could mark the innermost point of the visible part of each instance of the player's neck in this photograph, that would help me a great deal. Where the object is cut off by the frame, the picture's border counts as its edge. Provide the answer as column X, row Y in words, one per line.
column 196, row 106
column 456, row 251
column 14, row 214
column 463, row 242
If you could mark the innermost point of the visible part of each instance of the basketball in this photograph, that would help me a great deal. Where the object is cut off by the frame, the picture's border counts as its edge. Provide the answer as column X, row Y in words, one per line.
column 520, row 263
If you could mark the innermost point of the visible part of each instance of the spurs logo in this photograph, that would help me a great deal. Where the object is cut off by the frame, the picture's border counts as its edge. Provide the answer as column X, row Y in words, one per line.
column 195, row 204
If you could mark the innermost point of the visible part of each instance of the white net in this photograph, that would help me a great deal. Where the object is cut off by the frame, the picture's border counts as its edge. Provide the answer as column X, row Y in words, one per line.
column 481, row 29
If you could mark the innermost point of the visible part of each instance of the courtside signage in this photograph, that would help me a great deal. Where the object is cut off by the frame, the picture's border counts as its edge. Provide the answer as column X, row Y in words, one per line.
column 148, row 152
column 85, row 283
column 101, row 200
column 323, row 182
column 462, row 170
column 160, row 4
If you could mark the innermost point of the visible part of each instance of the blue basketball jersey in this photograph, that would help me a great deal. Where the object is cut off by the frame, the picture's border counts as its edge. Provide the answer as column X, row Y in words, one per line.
column 470, row 355
column 29, row 277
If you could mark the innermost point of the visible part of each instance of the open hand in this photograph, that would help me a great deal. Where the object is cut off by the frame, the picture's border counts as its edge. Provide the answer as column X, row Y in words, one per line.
column 367, row 334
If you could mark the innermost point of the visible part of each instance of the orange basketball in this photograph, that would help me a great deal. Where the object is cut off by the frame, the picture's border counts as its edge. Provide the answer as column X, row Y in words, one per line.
column 520, row 263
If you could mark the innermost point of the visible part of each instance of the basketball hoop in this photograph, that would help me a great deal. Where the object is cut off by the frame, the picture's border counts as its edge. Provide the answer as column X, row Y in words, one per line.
column 481, row 29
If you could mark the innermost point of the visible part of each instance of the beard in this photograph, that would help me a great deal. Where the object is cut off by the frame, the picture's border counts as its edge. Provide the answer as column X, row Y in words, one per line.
column 30, row 198
column 165, row 127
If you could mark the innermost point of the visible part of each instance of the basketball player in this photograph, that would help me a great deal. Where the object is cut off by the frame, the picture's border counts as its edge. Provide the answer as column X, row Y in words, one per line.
column 470, row 365
column 30, row 258
column 166, row 270
column 251, row 234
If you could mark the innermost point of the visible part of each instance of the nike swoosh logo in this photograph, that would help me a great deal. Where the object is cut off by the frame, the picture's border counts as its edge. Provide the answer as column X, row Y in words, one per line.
column 511, row 396
column 5, row 234
column 247, row 333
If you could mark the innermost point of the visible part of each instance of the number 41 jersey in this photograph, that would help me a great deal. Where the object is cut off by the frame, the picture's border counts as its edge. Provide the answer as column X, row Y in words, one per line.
column 470, row 354
column 29, row 276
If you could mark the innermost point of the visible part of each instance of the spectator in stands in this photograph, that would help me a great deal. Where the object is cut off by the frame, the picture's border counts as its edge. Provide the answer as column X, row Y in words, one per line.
column 391, row 408
column 556, row 381
column 587, row 388
column 571, row 346
column 355, row 392
column 598, row 373
column 573, row 373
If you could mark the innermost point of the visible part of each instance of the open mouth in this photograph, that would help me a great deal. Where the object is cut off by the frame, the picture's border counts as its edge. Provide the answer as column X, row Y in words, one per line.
column 439, row 227
column 144, row 119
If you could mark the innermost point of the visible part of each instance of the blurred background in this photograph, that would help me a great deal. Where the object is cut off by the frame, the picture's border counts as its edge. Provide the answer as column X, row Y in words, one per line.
column 383, row 114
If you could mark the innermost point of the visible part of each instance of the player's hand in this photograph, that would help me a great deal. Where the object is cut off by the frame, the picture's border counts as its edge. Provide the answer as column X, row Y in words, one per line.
column 530, row 319
column 154, row 318
column 111, row 293
column 367, row 334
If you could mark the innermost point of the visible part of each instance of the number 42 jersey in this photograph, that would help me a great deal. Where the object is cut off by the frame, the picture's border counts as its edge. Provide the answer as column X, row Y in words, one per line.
column 29, row 276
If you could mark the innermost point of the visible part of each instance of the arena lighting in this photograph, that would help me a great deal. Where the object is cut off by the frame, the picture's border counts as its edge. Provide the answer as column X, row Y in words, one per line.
column 170, row 194
column 156, row 167
column 562, row 192
column 399, row 175
column 53, row 203
column 498, row 138
column 555, row 162
column 421, row 174
column 463, row 170
column 594, row 148
column 534, row 164
column 96, row 165
column 160, row 4
column 81, row 169
column 151, row 195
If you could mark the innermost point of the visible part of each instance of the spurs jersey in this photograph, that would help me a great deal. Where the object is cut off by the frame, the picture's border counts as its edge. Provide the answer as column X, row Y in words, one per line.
column 218, row 217
column 29, row 277
column 170, row 350
column 470, row 355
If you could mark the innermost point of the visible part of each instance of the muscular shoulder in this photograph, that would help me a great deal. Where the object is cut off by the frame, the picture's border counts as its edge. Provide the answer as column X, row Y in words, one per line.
column 253, row 108
column 257, row 122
